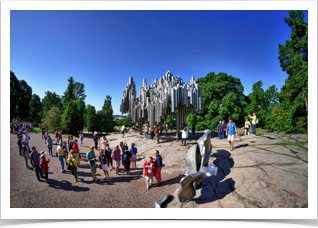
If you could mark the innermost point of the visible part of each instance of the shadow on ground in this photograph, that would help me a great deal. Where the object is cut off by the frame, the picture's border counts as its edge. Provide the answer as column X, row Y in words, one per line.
column 213, row 188
column 67, row 186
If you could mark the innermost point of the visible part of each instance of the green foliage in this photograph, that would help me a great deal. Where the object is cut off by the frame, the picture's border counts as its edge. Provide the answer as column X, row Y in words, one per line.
column 52, row 120
column 71, row 118
column 51, row 100
column 293, row 58
column 124, row 120
column 91, row 118
column 81, row 108
column 14, row 96
column 69, row 94
column 79, row 91
column 279, row 120
column 191, row 119
column 170, row 120
column 100, row 121
column 222, row 96
column 301, row 124
column 108, row 119
column 35, row 108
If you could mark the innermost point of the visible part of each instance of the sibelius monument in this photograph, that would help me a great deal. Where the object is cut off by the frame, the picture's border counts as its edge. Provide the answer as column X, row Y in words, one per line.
column 167, row 96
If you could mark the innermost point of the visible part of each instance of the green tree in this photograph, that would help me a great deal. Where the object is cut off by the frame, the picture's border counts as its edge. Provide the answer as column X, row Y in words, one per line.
column 35, row 108
column 293, row 58
column 108, row 122
column 24, row 99
column 51, row 100
column 100, row 120
column 91, row 118
column 222, row 96
column 79, row 91
column 279, row 120
column 170, row 120
column 14, row 95
column 52, row 119
column 81, row 108
column 69, row 94
column 70, row 118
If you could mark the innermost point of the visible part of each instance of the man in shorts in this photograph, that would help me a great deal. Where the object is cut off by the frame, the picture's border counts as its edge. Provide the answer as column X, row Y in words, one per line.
column 231, row 131
column 90, row 157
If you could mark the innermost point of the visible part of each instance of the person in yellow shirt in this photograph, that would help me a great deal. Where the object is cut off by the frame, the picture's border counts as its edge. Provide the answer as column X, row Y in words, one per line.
column 60, row 153
column 253, row 122
column 73, row 161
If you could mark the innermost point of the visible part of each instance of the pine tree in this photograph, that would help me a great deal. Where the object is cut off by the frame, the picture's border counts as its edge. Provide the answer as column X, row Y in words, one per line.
column 293, row 58
column 91, row 118
column 70, row 118
column 108, row 113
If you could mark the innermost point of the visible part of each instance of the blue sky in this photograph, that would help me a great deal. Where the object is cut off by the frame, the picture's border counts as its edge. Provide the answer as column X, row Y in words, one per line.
column 102, row 49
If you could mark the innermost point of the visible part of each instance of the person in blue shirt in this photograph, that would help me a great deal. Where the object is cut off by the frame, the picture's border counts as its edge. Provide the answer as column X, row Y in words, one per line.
column 231, row 131
column 90, row 157
column 158, row 163
column 220, row 130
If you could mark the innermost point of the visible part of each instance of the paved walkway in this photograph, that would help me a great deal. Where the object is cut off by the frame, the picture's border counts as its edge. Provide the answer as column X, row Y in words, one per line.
column 258, row 173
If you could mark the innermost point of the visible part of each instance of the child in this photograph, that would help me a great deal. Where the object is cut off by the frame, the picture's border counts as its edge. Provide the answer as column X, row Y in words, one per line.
column 73, row 161
column 150, row 171
column 247, row 126
column 45, row 167
column 103, row 162
column 230, row 131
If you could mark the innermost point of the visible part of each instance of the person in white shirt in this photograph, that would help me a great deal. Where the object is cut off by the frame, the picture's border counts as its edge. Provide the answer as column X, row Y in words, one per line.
column 123, row 129
column 26, row 139
column 184, row 136
column 247, row 127
column 146, row 131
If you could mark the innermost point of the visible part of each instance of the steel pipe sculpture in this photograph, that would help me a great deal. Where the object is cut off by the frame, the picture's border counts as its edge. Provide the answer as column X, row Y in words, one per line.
column 167, row 96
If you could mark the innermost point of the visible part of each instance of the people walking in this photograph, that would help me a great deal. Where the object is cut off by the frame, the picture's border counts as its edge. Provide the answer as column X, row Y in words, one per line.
column 219, row 129
column 123, row 147
column 146, row 131
column 60, row 135
column 75, row 148
column 150, row 171
column 184, row 136
column 35, row 163
column 45, row 167
column 26, row 138
column 126, row 160
column 156, row 134
column 25, row 153
column 254, row 120
column 56, row 134
column 60, row 153
column 151, row 133
column 158, row 163
column 223, row 129
column 49, row 145
column 123, row 129
column 108, row 153
column 19, row 142
column 81, row 136
column 73, row 162
column 193, row 130
column 133, row 151
column 104, row 142
column 247, row 126
column 231, row 130
column 116, row 157
column 90, row 157
column 103, row 163
column 95, row 140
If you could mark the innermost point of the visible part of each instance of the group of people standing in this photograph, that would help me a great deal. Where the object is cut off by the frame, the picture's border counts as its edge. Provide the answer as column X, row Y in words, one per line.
column 68, row 153
column 17, row 126
column 230, row 129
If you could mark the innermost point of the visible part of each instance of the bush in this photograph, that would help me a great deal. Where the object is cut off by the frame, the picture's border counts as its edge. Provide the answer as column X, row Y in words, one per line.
column 279, row 120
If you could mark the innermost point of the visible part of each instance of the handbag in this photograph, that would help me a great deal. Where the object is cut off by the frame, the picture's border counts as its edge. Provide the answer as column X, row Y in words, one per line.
column 69, row 167
column 92, row 162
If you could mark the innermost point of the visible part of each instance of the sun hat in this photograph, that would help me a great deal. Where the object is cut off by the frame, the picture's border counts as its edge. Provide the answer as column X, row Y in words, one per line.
column 43, row 153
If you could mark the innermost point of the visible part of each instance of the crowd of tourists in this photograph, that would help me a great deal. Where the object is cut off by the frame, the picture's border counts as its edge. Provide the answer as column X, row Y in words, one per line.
column 68, row 154
column 17, row 126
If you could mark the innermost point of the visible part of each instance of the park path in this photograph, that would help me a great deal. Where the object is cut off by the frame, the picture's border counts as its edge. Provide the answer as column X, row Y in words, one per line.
column 124, row 191
column 258, row 173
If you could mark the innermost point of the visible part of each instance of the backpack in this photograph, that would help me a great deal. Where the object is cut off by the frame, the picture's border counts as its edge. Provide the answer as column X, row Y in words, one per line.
column 125, row 158
column 256, row 120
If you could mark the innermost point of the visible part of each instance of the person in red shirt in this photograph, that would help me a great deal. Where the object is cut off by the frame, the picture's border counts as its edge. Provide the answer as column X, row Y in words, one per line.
column 45, row 167
column 150, row 171
column 157, row 134
column 56, row 136
column 76, row 150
